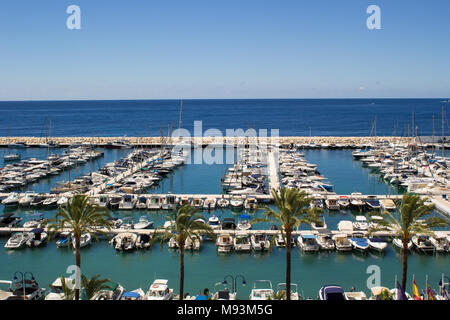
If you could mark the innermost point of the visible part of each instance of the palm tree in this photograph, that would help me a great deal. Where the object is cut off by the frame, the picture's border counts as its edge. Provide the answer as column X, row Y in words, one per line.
column 186, row 226
column 79, row 216
column 406, row 223
column 293, row 209
column 93, row 285
column 67, row 290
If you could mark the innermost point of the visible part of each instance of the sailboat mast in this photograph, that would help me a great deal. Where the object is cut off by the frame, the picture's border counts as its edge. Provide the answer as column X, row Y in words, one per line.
column 432, row 138
column 181, row 110
column 443, row 151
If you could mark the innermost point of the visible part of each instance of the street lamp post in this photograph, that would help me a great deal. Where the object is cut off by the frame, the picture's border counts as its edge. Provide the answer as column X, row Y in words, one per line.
column 233, row 279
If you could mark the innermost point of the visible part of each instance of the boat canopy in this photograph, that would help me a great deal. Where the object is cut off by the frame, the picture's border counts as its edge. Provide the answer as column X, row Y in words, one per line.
column 37, row 230
column 244, row 216
column 309, row 236
column 131, row 294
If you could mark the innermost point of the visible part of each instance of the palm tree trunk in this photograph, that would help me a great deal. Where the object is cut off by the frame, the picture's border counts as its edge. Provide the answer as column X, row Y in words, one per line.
column 404, row 263
column 288, row 265
column 181, row 270
column 78, row 263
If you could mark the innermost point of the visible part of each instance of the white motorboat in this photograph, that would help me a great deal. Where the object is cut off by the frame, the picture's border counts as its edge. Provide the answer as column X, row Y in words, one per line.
column 173, row 243
column 236, row 202
column 375, row 221
column 360, row 223
column 62, row 201
column 360, row 244
column 128, row 202
column 214, row 222
column 24, row 287
column 332, row 293
column 397, row 242
column 355, row 295
column 356, row 200
column 192, row 244
column 262, row 290
column 159, row 291
column 169, row 202
column 209, row 204
column 342, row 242
column 35, row 221
column 280, row 241
column 377, row 244
column 114, row 292
column 260, row 242
column 102, row 201
column 242, row 242
column 319, row 225
column 281, row 287
column 345, row 226
column 387, row 204
column 38, row 237
column 184, row 201
column 143, row 241
column 308, row 243
column 134, row 295
column 250, row 203
column 64, row 240
column 11, row 157
column 141, row 202
column 244, row 222
column 224, row 242
column 154, row 203
column 17, row 240
column 325, row 241
column 143, row 223
column 440, row 243
column 223, row 203
column 26, row 200
column 332, row 203
column 343, row 202
column 11, row 201
column 197, row 203
column 422, row 243
column 124, row 241
column 57, row 292
column 85, row 240
column 50, row 202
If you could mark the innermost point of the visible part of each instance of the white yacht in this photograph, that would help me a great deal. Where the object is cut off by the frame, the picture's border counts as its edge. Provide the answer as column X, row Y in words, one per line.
column 210, row 203
column 223, row 203
column 332, row 203
column 342, row 242
column 114, row 292
column 224, row 242
column 143, row 223
column 17, row 240
column 260, row 242
column 169, row 202
column 26, row 200
column 37, row 237
column 281, row 287
column 197, row 203
column 141, row 202
column 236, row 202
column 262, row 290
column 440, row 243
column 322, row 225
column 250, row 203
column 11, row 201
column 124, row 241
column 397, row 242
column 377, row 244
column 360, row 223
column 62, row 201
column 423, row 244
column 35, row 221
column 325, row 241
column 154, row 203
column 128, row 202
column 244, row 222
column 214, row 222
column 85, row 240
column 308, row 243
column 242, row 242
column 159, row 291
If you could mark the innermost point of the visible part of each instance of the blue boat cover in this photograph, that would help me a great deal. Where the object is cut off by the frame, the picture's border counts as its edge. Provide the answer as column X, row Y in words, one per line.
column 131, row 294
column 244, row 216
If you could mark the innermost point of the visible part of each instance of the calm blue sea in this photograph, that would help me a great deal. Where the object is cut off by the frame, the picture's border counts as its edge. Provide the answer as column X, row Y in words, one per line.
column 293, row 117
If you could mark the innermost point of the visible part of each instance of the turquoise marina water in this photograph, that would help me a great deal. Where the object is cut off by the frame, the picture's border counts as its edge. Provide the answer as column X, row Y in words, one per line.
column 205, row 268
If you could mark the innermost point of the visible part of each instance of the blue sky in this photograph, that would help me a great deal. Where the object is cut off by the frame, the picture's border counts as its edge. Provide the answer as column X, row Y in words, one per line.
column 223, row 49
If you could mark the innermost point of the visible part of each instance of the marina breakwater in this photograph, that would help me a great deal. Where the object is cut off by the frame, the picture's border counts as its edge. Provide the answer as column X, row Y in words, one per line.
column 102, row 141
